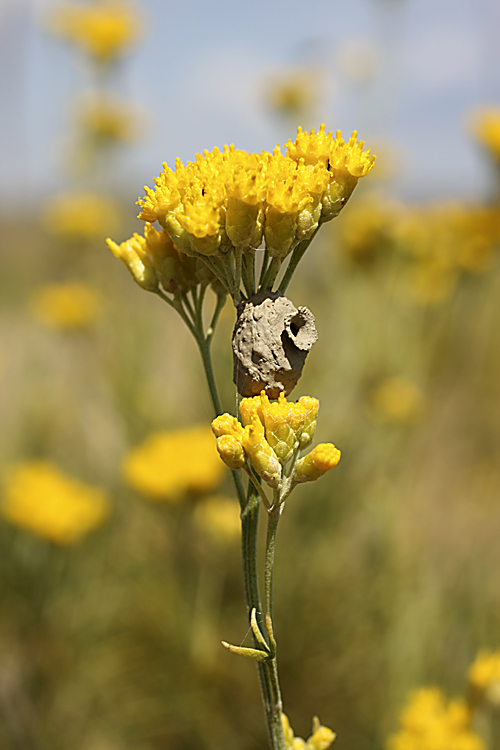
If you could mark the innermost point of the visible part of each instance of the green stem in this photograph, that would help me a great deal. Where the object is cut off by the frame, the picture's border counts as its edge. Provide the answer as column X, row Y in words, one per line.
column 272, row 527
column 249, row 272
column 238, row 261
column 276, row 727
column 263, row 267
column 249, row 526
column 250, row 505
column 294, row 261
column 221, row 301
column 271, row 273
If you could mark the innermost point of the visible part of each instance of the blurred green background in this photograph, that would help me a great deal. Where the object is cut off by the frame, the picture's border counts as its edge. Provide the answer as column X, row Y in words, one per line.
column 387, row 569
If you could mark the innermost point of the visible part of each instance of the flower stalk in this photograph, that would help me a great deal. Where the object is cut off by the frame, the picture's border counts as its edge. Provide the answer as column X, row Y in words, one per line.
column 214, row 214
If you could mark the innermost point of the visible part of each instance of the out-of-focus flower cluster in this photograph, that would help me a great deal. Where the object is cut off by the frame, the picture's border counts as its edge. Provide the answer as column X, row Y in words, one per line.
column 65, row 305
column 486, row 128
column 272, row 433
column 104, row 30
column 320, row 739
column 110, row 120
column 41, row 499
column 167, row 465
column 484, row 676
column 293, row 92
column 444, row 241
column 80, row 216
column 435, row 245
column 232, row 201
column 398, row 400
column 219, row 517
column 430, row 722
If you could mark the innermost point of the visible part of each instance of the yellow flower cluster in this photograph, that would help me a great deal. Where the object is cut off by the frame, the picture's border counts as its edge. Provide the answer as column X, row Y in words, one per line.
column 80, row 216
column 484, row 675
column 170, row 464
column 320, row 739
column 429, row 722
column 235, row 199
column 43, row 500
column 271, row 434
column 65, row 305
column 103, row 29
column 486, row 128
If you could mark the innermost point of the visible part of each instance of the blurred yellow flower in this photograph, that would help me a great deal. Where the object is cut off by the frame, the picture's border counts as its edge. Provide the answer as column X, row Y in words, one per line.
column 397, row 399
column 442, row 241
column 41, row 499
column 170, row 464
column 485, row 125
column 80, row 216
column 105, row 29
column 67, row 305
column 429, row 722
column 320, row 739
column 365, row 230
column 484, row 675
column 293, row 92
column 219, row 516
column 109, row 119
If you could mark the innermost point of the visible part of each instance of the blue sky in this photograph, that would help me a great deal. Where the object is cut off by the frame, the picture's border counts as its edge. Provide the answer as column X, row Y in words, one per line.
column 201, row 69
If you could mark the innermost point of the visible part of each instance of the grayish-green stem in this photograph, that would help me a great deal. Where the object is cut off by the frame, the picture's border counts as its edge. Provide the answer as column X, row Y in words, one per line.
column 191, row 313
column 272, row 665
column 270, row 274
column 294, row 261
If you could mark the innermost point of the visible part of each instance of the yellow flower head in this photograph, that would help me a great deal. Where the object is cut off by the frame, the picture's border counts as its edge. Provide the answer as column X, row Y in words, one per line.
column 80, row 216
column 429, row 722
column 219, row 517
column 320, row 739
column 484, row 675
column 170, row 464
column 41, row 499
column 104, row 29
column 65, row 305
column 234, row 197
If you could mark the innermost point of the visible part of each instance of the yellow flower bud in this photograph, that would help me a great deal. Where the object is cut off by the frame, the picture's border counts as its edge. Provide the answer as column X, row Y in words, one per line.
column 249, row 408
column 244, row 223
column 226, row 424
column 260, row 453
column 133, row 254
column 311, row 406
column 321, row 459
column 279, row 232
column 284, row 423
column 231, row 451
